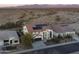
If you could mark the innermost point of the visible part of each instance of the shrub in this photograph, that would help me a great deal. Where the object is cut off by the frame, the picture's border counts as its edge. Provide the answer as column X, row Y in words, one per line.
column 26, row 40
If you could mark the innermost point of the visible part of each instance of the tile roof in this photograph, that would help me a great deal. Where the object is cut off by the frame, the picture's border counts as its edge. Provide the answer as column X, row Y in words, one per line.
column 61, row 29
column 30, row 28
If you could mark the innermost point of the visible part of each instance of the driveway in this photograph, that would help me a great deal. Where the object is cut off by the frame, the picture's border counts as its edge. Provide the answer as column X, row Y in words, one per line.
column 38, row 44
column 76, row 37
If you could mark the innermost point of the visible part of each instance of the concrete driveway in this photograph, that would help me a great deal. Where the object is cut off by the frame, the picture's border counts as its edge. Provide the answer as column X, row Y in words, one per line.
column 38, row 44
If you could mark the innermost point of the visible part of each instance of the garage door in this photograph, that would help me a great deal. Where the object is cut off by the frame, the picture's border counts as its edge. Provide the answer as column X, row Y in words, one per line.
column 37, row 39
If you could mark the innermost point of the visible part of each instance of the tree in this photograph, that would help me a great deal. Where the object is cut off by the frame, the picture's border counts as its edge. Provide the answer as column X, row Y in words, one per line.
column 60, row 37
column 55, row 39
column 68, row 36
column 20, row 22
column 8, row 25
column 26, row 40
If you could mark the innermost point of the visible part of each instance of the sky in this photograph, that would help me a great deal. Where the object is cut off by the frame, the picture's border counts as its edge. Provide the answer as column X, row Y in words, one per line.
column 6, row 3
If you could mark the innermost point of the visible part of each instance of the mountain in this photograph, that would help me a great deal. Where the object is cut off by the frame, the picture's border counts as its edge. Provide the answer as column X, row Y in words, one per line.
column 40, row 6
column 48, row 6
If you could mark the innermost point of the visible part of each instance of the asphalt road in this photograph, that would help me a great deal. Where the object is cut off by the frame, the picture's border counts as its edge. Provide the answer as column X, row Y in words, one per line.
column 64, row 48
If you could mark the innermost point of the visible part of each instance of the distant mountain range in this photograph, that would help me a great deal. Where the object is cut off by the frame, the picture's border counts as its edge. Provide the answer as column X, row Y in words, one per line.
column 48, row 6
column 45, row 6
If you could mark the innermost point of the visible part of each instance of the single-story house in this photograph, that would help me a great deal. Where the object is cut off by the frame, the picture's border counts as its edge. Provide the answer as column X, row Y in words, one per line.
column 39, row 31
column 8, row 38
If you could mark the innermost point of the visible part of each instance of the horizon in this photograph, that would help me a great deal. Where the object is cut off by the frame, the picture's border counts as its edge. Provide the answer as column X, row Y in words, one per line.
column 15, row 5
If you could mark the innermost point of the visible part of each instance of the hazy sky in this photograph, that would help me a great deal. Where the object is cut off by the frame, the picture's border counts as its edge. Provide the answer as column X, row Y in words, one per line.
column 4, row 3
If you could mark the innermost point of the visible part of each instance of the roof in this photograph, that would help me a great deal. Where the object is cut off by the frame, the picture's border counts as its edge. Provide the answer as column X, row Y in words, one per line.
column 61, row 29
column 30, row 28
column 6, row 34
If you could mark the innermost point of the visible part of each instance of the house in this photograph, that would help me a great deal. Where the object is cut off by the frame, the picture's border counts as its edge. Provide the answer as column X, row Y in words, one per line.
column 45, row 32
column 8, row 38
column 39, row 31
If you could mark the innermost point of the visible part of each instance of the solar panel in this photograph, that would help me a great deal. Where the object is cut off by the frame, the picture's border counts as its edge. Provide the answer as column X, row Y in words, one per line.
column 36, row 28
column 41, row 24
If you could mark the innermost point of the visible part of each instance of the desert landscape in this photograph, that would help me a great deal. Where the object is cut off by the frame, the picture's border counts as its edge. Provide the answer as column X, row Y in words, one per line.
column 38, row 26
column 64, row 16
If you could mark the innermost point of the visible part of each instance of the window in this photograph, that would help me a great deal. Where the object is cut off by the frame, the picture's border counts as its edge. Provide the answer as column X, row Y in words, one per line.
column 50, row 34
column 6, row 40
column 16, row 41
column 10, row 41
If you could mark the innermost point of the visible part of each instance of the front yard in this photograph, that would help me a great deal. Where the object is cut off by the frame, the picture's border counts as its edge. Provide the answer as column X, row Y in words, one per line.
column 59, row 39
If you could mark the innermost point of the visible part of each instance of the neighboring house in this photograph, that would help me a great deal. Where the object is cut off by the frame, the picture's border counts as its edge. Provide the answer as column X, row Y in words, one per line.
column 8, row 38
column 39, row 31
